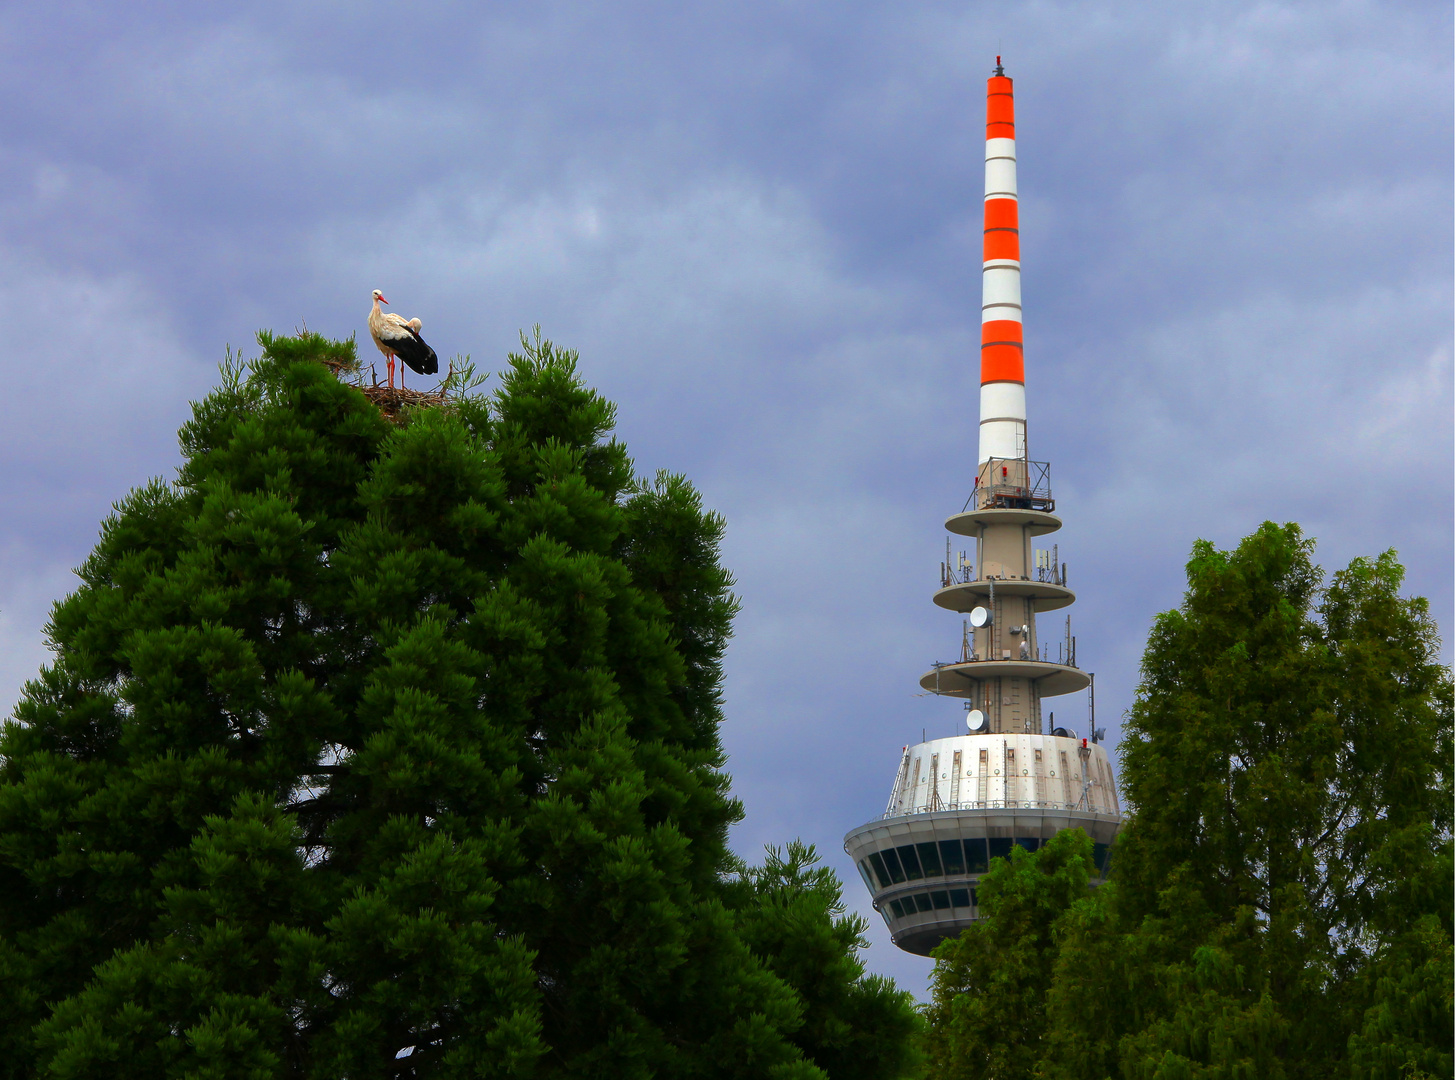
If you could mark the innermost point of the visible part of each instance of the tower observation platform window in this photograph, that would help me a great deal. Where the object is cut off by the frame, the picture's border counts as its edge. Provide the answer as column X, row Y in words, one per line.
column 910, row 861
column 929, row 859
column 952, row 856
column 892, row 863
column 937, row 900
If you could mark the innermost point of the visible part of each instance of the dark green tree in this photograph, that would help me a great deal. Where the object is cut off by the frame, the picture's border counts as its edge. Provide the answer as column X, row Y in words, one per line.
column 1288, row 764
column 791, row 913
column 1281, row 896
column 377, row 749
column 987, row 1017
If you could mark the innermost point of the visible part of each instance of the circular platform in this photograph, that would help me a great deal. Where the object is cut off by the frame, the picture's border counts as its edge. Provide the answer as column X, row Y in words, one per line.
column 962, row 598
column 957, row 680
column 970, row 522
column 928, row 892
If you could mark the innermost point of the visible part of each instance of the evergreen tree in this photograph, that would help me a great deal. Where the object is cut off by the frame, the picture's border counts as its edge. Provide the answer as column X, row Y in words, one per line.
column 987, row 1019
column 379, row 750
column 791, row 913
column 1281, row 901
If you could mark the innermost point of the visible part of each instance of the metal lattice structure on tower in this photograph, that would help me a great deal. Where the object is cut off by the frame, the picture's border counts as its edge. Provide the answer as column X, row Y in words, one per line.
column 959, row 802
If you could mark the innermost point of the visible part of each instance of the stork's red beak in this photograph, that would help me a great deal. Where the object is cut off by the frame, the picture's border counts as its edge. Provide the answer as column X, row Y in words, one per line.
column 382, row 300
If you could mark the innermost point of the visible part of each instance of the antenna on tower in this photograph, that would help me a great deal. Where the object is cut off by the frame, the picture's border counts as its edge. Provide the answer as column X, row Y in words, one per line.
column 998, row 67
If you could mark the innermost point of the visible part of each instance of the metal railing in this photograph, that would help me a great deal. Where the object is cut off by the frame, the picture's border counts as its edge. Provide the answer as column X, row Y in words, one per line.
column 965, row 574
column 1052, row 575
column 1012, row 484
column 1041, row 652
column 957, row 569
column 995, row 804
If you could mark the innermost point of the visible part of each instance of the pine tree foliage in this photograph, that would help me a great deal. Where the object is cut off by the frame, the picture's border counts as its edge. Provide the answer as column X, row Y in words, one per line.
column 791, row 913
column 987, row 1017
column 1281, row 901
column 377, row 750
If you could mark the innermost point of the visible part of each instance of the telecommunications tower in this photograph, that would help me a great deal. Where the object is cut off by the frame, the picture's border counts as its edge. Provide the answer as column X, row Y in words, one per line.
column 958, row 802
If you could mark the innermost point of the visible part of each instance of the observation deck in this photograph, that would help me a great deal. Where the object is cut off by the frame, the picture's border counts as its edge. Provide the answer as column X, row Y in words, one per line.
column 962, row 801
column 928, row 892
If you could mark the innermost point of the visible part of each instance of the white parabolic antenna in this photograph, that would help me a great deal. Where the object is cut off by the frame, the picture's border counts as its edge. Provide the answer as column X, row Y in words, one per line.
column 980, row 616
column 976, row 720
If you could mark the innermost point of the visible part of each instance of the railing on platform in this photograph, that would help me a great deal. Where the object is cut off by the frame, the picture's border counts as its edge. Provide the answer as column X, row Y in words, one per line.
column 963, row 572
column 993, row 804
column 1012, row 484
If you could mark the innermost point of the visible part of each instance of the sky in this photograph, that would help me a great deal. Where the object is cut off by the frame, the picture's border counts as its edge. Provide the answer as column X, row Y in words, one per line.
column 759, row 223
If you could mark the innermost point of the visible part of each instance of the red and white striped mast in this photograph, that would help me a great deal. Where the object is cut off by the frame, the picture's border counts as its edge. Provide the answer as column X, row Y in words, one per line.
column 1003, row 378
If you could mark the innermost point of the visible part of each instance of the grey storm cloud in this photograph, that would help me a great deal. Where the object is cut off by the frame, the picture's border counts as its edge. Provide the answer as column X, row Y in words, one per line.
column 759, row 223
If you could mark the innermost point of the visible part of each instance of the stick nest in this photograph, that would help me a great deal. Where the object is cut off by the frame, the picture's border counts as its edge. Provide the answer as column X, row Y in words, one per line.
column 392, row 401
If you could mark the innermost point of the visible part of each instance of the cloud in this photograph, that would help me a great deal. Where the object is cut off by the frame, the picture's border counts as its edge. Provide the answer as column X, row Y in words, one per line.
column 94, row 390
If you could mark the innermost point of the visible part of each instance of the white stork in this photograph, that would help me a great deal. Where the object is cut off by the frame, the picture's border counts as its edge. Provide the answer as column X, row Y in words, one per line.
column 399, row 337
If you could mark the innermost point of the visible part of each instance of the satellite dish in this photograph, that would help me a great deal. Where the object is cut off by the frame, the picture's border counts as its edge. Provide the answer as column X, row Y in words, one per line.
column 976, row 720
column 980, row 616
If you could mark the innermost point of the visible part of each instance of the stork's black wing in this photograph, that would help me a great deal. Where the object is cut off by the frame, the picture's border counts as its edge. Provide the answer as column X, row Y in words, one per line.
column 411, row 348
